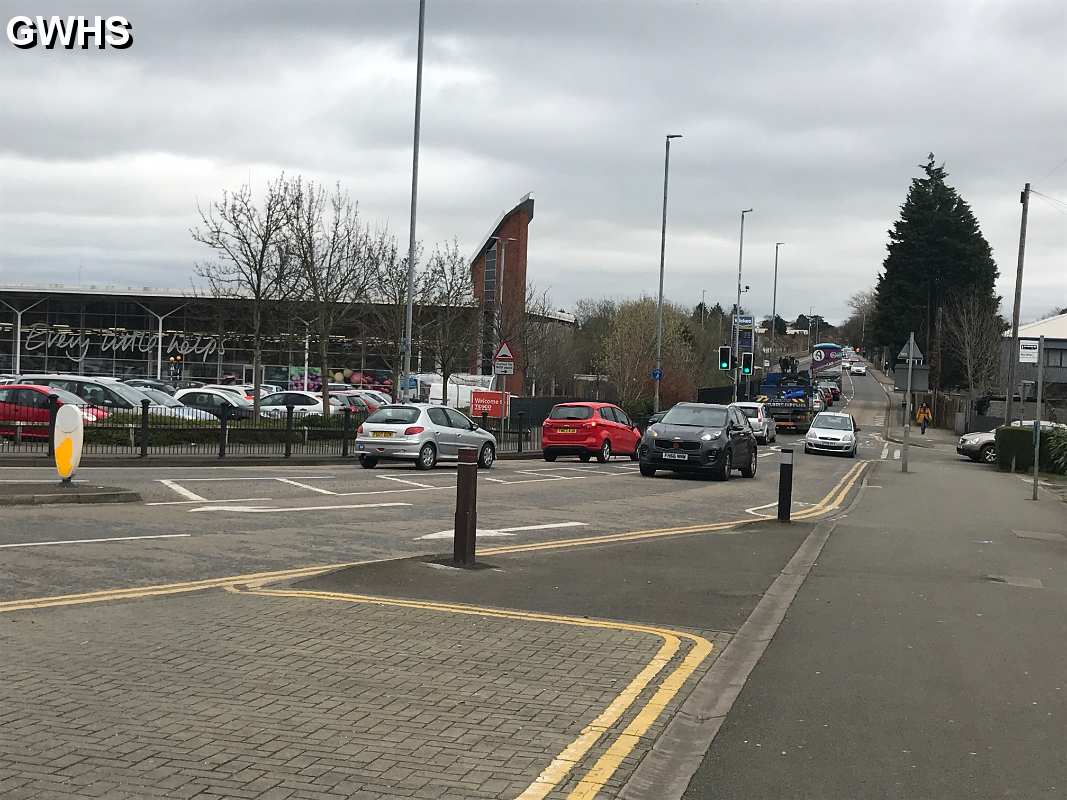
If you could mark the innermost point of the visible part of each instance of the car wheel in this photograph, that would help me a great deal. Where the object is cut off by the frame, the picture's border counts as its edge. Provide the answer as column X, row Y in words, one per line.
column 634, row 456
column 487, row 457
column 427, row 457
column 584, row 457
column 774, row 436
column 807, row 449
column 750, row 470
column 368, row 462
column 722, row 472
column 604, row 454
column 852, row 453
column 988, row 454
column 648, row 471
column 550, row 456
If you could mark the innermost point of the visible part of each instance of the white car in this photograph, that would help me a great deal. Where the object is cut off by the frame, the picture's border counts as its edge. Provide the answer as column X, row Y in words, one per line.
column 303, row 403
column 760, row 420
column 245, row 390
column 832, row 432
column 858, row 369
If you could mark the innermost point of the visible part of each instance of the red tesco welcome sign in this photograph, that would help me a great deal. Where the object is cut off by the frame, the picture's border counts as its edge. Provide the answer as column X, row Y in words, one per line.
column 495, row 404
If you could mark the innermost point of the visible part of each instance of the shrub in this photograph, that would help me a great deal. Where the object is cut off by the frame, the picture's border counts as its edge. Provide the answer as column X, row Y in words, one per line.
column 1018, row 443
column 1057, row 448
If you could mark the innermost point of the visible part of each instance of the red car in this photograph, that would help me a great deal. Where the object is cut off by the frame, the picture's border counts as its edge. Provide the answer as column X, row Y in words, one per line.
column 587, row 430
column 28, row 404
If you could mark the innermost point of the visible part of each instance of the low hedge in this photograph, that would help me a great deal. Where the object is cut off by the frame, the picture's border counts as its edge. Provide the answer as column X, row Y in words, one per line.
column 1018, row 443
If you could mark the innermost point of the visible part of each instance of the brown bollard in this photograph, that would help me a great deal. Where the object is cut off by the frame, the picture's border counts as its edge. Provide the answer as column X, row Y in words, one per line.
column 466, row 506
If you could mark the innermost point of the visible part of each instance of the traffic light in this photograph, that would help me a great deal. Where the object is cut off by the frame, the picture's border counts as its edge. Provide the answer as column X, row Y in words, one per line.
column 724, row 357
column 746, row 363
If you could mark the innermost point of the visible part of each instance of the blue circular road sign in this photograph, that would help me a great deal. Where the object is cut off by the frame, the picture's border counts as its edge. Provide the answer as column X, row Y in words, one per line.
column 657, row 374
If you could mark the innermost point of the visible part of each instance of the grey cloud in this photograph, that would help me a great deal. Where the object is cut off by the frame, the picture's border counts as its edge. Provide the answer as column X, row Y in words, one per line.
column 816, row 114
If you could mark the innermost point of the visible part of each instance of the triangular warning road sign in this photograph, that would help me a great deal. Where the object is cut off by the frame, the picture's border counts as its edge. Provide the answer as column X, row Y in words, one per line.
column 903, row 354
column 504, row 353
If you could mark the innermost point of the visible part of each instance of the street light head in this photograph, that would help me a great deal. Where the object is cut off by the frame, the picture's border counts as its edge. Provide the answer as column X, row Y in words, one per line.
column 674, row 136
column 746, row 211
column 778, row 244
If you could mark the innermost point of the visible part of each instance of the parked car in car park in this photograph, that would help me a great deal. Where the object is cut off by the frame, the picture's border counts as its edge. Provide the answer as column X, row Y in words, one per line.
column 700, row 438
column 422, row 433
column 354, row 401
column 832, row 432
column 164, row 405
column 759, row 417
column 588, row 429
column 303, row 403
column 245, row 390
column 99, row 391
column 25, row 408
column 214, row 401
column 149, row 383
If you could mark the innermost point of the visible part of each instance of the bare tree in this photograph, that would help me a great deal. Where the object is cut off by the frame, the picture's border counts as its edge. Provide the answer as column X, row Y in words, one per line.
column 332, row 252
column 973, row 333
column 453, row 331
column 389, row 296
column 630, row 352
column 252, row 259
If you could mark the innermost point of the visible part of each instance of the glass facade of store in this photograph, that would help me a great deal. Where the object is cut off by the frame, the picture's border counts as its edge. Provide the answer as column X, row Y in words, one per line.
column 204, row 340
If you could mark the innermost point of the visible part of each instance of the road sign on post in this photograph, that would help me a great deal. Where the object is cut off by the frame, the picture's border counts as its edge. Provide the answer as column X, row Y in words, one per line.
column 504, row 360
column 1028, row 351
column 656, row 374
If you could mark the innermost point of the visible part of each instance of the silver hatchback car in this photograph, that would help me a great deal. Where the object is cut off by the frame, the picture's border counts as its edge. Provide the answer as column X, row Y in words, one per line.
column 421, row 433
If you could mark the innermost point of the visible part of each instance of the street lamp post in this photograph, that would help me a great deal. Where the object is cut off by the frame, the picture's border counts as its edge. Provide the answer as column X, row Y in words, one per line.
column 662, row 252
column 18, row 312
column 774, row 297
column 159, row 335
column 307, row 328
column 409, row 310
column 737, row 308
column 499, row 299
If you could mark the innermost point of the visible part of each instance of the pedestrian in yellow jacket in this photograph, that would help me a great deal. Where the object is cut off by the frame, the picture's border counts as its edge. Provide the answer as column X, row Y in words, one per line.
column 924, row 416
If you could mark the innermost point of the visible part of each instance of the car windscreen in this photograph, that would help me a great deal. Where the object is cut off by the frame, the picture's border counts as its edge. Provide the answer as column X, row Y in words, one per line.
column 571, row 412
column 695, row 416
column 833, row 423
column 749, row 411
column 128, row 393
column 394, row 415
column 66, row 397
column 159, row 398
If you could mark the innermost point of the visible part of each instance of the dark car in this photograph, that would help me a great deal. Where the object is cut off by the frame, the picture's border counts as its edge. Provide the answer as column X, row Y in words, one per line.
column 148, row 383
column 216, row 402
column 699, row 438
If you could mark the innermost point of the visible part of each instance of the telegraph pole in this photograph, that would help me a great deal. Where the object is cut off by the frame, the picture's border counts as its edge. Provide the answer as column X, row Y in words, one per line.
column 1013, row 356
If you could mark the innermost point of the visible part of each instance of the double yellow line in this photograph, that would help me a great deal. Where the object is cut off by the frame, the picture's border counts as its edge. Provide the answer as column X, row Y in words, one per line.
column 571, row 756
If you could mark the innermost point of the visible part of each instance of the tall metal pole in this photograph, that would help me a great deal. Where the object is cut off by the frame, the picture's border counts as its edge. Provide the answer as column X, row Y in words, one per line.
column 907, row 405
column 774, row 297
column 159, row 335
column 408, row 313
column 1037, row 416
column 662, row 252
column 18, row 312
column 737, row 307
column 1014, row 355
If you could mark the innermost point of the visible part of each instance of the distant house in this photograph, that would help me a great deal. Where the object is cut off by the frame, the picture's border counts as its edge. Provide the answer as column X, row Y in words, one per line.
column 1054, row 329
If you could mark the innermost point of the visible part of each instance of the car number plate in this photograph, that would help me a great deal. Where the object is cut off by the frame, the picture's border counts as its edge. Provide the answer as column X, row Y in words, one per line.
column 676, row 456
column 568, row 430
column 381, row 434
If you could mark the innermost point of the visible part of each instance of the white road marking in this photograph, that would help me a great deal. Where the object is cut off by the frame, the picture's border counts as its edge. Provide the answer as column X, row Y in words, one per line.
column 188, row 502
column 181, row 490
column 91, row 541
column 896, row 454
column 506, row 531
column 259, row 478
column 411, row 483
column 885, row 451
column 264, row 510
column 307, row 486
column 754, row 511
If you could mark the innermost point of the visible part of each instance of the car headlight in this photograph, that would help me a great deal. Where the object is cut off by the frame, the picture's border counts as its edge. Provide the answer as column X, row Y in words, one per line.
column 811, row 435
column 848, row 437
column 707, row 437
column 651, row 432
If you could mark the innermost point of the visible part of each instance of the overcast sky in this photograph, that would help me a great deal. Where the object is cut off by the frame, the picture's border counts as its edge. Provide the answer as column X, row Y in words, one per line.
column 815, row 114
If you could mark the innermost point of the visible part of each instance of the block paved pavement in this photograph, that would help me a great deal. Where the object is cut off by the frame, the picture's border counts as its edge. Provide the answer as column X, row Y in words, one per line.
column 223, row 695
